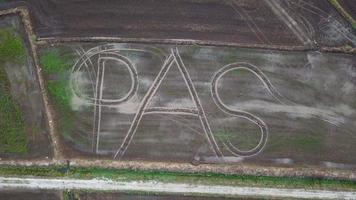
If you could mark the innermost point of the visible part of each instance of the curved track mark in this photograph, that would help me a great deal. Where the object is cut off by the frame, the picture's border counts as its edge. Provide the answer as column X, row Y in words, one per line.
column 240, row 113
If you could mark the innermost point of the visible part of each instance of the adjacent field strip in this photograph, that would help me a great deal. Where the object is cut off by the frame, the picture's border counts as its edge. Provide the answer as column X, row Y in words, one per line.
column 289, row 21
column 52, row 40
column 171, row 188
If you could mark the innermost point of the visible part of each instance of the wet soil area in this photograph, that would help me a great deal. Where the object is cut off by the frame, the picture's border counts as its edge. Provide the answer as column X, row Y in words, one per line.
column 305, row 100
column 30, row 194
column 294, row 23
column 349, row 6
column 245, row 22
column 321, row 22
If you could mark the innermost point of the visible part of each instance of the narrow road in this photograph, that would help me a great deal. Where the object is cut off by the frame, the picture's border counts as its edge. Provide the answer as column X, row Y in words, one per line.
column 172, row 188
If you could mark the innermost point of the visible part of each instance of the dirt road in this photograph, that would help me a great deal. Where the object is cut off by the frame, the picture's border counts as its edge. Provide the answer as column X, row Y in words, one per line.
column 172, row 188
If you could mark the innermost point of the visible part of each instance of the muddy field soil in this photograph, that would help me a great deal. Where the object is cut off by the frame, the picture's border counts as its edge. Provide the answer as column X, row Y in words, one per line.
column 319, row 21
column 204, row 104
column 349, row 6
column 92, row 195
column 248, row 22
column 29, row 194
column 25, row 93
column 122, row 196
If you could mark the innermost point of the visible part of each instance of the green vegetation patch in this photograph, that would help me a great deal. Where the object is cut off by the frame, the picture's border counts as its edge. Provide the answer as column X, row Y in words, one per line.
column 56, row 67
column 12, row 126
column 61, row 93
column 178, row 177
column 12, row 48
column 54, row 62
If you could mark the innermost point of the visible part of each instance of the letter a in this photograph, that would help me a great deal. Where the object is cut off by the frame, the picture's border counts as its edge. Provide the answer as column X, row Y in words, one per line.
column 174, row 57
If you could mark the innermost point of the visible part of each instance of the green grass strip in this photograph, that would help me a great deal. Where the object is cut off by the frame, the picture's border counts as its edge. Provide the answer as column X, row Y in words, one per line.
column 177, row 177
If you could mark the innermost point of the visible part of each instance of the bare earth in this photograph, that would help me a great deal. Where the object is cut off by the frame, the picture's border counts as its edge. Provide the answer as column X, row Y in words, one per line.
column 245, row 22
column 172, row 188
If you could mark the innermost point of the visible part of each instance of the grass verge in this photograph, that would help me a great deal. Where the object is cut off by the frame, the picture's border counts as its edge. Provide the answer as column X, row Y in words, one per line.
column 177, row 177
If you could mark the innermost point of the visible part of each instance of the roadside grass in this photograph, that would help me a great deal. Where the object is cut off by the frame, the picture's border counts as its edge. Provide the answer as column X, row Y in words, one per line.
column 177, row 177
column 54, row 64
column 344, row 13
column 12, row 126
